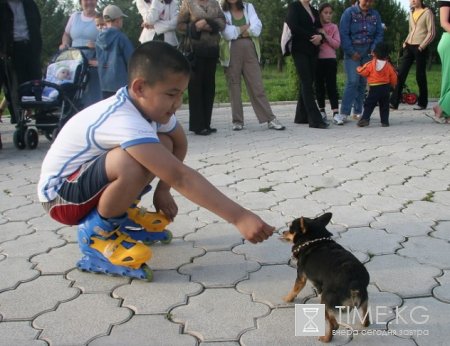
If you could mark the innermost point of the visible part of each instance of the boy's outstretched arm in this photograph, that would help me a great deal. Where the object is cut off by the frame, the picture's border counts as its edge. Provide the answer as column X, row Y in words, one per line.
column 160, row 161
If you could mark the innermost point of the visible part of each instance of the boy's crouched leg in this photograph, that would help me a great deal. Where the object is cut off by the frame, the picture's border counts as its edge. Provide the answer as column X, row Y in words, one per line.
column 108, row 250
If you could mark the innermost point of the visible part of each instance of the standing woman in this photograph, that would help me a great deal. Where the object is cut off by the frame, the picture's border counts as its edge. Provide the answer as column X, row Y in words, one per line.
column 421, row 34
column 240, row 55
column 159, row 20
column 304, row 22
column 202, row 21
column 361, row 30
column 442, row 110
column 81, row 31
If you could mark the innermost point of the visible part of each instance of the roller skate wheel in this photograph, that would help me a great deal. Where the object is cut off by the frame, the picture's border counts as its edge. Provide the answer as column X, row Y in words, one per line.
column 168, row 240
column 148, row 273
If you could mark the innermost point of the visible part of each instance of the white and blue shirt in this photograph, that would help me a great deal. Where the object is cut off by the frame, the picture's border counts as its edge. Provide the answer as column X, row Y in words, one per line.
column 95, row 130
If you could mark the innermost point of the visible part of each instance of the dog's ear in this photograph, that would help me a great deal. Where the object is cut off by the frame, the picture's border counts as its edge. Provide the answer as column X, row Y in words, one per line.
column 324, row 219
column 302, row 225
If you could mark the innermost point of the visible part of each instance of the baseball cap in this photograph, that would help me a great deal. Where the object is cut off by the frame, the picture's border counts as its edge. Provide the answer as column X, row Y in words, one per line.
column 112, row 12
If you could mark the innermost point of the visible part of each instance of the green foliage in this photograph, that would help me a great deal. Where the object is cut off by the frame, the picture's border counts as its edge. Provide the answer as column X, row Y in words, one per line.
column 283, row 85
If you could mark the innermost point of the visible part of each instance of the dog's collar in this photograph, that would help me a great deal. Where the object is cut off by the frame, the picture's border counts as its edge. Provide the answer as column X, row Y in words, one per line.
column 296, row 249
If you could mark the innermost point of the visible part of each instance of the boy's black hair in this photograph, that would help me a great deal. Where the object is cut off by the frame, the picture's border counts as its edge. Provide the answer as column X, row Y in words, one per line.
column 381, row 51
column 153, row 60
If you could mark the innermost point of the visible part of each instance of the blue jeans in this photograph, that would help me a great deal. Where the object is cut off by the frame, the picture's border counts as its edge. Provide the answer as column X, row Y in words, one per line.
column 355, row 85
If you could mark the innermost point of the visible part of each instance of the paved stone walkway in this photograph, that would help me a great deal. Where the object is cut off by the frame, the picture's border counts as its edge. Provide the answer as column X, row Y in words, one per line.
column 388, row 190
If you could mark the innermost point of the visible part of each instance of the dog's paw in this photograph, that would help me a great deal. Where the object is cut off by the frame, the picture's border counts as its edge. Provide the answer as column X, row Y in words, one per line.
column 325, row 338
column 288, row 299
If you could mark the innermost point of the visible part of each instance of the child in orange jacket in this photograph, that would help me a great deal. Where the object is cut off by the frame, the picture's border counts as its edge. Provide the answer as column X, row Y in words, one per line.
column 381, row 77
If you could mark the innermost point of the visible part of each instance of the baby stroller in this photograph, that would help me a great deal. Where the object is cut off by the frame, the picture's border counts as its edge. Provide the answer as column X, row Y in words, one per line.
column 45, row 105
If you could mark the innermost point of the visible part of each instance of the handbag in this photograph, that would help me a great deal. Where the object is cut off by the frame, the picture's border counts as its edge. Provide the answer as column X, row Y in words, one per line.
column 286, row 40
column 185, row 47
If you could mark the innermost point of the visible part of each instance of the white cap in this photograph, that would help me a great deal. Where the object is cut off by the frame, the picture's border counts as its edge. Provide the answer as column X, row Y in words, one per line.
column 112, row 12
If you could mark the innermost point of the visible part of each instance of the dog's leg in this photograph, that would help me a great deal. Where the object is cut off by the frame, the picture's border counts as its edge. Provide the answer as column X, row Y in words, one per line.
column 330, row 325
column 300, row 282
column 363, row 312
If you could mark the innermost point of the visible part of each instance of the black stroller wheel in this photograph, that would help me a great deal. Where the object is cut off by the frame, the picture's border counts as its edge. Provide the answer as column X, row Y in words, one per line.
column 31, row 138
column 19, row 139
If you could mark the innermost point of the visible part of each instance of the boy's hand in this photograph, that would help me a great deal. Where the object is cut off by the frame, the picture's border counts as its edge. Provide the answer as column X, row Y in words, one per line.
column 164, row 202
column 253, row 228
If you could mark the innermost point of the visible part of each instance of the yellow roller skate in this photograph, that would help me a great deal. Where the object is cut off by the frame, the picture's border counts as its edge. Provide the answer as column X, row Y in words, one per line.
column 107, row 250
column 148, row 227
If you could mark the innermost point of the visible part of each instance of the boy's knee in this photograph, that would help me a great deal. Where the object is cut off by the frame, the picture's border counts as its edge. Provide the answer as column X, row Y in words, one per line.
column 119, row 163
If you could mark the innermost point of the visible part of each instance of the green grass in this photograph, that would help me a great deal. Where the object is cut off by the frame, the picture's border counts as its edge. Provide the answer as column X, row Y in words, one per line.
column 277, row 83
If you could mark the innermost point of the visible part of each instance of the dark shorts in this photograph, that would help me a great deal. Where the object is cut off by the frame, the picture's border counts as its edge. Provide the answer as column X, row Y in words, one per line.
column 80, row 193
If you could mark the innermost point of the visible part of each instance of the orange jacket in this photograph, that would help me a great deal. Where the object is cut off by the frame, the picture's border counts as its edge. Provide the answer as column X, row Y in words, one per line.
column 386, row 75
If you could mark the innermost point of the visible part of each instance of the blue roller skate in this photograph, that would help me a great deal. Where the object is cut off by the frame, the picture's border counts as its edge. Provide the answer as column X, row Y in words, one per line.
column 108, row 250
column 148, row 227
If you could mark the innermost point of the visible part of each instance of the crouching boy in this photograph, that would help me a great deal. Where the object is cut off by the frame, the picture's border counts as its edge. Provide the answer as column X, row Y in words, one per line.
column 105, row 157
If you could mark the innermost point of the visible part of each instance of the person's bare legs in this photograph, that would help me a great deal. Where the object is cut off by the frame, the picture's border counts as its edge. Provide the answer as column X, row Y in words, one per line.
column 128, row 178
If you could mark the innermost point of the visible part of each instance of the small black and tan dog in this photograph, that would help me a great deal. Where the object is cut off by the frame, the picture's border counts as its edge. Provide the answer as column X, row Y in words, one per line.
column 338, row 276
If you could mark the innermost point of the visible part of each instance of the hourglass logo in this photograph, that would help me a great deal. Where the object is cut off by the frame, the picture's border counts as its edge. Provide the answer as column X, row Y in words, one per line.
column 309, row 319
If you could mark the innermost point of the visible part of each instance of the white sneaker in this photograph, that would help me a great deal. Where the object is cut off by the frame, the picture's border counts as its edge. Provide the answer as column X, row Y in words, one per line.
column 338, row 119
column 275, row 125
column 324, row 115
column 237, row 127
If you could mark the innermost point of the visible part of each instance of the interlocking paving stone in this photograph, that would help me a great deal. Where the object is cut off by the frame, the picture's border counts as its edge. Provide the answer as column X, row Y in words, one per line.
column 95, row 283
column 24, row 213
column 395, row 274
column 216, row 236
column 15, row 271
column 146, row 330
column 219, row 269
column 167, row 290
column 271, row 283
column 442, row 230
column 79, row 321
column 442, row 292
column 31, row 298
column 216, row 314
column 296, row 207
column 13, row 230
column 184, row 225
column 47, row 223
column 428, row 250
column 19, row 334
column 279, row 329
column 272, row 251
column 426, row 315
column 258, row 200
column 32, row 244
column 352, row 216
column 173, row 255
column 291, row 190
column 395, row 167
column 403, row 224
column 363, row 187
column 335, row 196
column 381, row 204
column 370, row 241
column 382, row 339
column 58, row 260
column 427, row 183
column 406, row 171
column 69, row 234
column 403, row 192
column 8, row 202
column 442, row 197
column 428, row 211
